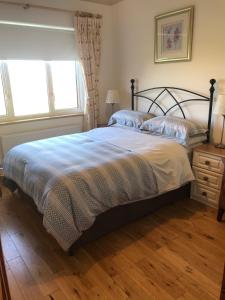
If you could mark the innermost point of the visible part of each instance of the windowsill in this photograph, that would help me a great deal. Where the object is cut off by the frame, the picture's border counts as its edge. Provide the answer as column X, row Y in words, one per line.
column 11, row 122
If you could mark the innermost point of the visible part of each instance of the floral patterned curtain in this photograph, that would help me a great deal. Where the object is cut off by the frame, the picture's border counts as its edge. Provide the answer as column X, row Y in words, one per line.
column 88, row 32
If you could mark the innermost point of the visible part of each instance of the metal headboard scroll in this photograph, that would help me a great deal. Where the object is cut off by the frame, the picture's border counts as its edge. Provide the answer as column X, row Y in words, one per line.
column 177, row 104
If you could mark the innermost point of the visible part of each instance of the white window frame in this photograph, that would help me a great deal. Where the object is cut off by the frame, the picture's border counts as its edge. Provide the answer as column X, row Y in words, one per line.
column 53, row 113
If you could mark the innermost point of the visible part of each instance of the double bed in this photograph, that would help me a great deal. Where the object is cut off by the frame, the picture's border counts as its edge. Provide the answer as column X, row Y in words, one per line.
column 87, row 184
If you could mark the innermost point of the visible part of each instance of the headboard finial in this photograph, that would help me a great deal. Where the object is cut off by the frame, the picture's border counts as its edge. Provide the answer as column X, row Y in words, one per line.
column 213, row 81
column 212, row 88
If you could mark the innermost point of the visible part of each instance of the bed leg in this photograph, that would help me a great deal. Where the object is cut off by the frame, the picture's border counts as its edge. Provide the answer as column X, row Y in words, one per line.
column 220, row 214
column 70, row 251
column 9, row 184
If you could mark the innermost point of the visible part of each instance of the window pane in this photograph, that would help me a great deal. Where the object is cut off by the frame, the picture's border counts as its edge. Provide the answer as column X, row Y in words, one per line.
column 29, row 87
column 2, row 100
column 64, row 84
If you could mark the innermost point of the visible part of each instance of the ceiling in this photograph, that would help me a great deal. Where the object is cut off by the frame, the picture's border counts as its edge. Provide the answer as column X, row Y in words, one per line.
column 106, row 2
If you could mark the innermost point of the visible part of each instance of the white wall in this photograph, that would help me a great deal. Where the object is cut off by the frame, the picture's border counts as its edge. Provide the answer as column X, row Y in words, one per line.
column 15, row 134
column 134, row 37
column 107, row 69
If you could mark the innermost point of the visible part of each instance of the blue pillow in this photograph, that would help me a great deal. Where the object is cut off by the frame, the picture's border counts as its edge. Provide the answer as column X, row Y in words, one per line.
column 129, row 118
column 173, row 127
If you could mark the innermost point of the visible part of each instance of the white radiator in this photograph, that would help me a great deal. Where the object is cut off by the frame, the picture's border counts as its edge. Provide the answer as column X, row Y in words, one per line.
column 11, row 140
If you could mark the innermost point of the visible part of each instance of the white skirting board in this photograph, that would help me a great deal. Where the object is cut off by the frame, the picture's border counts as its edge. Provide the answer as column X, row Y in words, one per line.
column 11, row 140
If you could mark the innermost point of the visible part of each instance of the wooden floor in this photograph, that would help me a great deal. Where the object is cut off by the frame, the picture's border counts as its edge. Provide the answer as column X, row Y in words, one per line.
column 176, row 253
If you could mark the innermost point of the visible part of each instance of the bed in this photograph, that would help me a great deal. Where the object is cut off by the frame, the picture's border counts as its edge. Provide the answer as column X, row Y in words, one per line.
column 87, row 184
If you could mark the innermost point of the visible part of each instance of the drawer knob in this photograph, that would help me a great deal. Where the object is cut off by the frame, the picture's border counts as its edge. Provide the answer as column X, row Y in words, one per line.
column 206, row 178
column 204, row 194
column 207, row 162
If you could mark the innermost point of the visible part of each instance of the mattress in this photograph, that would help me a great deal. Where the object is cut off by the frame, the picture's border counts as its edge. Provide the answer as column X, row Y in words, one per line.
column 74, row 178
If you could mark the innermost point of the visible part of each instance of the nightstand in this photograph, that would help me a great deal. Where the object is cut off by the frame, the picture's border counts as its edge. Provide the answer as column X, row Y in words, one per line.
column 209, row 186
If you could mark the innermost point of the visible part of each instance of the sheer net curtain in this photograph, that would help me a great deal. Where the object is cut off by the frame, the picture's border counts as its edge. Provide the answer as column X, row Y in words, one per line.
column 88, row 34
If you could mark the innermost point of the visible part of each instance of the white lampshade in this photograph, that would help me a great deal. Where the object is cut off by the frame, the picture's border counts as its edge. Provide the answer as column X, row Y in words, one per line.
column 220, row 105
column 112, row 97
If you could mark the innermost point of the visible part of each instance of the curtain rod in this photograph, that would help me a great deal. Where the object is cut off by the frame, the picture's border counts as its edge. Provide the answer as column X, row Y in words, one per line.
column 77, row 13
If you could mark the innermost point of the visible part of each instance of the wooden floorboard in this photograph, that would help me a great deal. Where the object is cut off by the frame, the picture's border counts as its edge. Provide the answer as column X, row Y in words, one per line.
column 177, row 252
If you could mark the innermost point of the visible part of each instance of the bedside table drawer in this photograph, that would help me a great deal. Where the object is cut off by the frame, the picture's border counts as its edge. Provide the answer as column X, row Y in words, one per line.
column 210, row 179
column 204, row 194
column 208, row 162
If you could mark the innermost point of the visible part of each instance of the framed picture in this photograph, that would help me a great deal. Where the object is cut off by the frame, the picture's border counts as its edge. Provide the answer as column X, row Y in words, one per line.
column 173, row 35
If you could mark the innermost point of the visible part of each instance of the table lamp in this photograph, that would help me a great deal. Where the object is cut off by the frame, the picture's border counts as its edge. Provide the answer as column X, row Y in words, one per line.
column 220, row 111
column 112, row 98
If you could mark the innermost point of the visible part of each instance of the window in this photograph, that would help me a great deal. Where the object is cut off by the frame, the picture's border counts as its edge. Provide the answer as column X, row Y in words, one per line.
column 28, row 87
column 39, row 88
column 65, row 91
column 2, row 100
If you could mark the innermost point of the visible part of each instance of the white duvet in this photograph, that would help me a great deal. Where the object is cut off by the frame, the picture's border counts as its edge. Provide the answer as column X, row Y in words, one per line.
column 74, row 178
column 168, row 159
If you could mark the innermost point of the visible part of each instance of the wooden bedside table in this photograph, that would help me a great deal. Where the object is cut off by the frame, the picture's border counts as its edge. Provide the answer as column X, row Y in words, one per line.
column 208, row 166
column 4, row 286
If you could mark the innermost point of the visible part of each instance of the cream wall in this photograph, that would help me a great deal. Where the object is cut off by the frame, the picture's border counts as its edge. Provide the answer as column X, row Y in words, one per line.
column 128, row 52
column 106, row 77
column 134, row 38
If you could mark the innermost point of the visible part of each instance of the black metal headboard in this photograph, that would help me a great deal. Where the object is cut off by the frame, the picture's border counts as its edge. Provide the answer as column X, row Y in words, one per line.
column 169, row 90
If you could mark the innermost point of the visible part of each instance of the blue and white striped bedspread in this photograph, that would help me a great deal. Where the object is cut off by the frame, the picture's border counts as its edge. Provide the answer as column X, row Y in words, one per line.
column 74, row 178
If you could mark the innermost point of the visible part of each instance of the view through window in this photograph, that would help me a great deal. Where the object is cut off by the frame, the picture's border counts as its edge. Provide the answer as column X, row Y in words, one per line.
column 39, row 88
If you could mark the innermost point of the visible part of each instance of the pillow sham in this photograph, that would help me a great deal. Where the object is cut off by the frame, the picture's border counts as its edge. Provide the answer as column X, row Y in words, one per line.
column 197, row 139
column 129, row 118
column 173, row 127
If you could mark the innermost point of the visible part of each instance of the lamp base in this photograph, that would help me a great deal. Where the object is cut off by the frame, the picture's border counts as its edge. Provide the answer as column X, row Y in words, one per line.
column 220, row 146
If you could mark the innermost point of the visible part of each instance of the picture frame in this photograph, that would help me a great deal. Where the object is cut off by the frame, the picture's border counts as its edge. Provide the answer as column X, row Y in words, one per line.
column 173, row 35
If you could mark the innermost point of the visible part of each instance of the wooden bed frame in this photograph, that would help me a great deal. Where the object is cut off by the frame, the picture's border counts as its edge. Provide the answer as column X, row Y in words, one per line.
column 121, row 215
